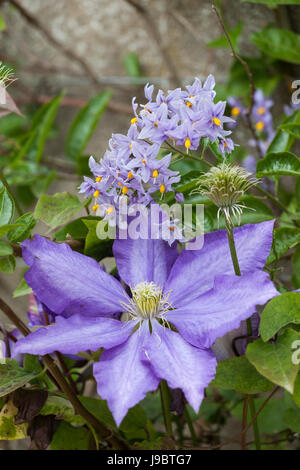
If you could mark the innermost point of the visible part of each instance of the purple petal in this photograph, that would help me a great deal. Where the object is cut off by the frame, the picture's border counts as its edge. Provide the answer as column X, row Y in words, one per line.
column 74, row 334
column 144, row 260
column 180, row 364
column 194, row 271
column 69, row 282
column 221, row 309
column 123, row 379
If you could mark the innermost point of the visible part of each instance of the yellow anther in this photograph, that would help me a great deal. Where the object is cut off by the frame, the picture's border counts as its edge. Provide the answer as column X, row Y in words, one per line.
column 216, row 121
column 172, row 229
column 99, row 178
column 109, row 210
column 144, row 161
column 162, row 188
column 130, row 146
column 156, row 124
column 235, row 111
column 155, row 174
column 261, row 111
column 119, row 183
column 130, row 175
column 187, row 143
column 95, row 207
column 192, row 96
column 260, row 125
column 133, row 120
column 96, row 193
column 124, row 190
column 189, row 104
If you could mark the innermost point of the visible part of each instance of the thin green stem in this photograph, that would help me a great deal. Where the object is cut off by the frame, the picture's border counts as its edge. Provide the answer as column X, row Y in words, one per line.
column 6, row 185
column 232, row 248
column 188, row 155
column 272, row 198
column 190, row 426
column 255, row 424
column 237, row 271
column 165, row 403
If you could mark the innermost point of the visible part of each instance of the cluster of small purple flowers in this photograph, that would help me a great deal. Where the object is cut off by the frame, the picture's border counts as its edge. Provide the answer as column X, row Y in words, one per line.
column 261, row 117
column 134, row 167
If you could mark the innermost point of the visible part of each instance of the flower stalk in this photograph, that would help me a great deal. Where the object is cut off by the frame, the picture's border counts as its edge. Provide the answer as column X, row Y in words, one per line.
column 237, row 271
column 165, row 403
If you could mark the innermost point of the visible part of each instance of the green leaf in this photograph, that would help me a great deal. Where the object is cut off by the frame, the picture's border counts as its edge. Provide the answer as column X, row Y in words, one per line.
column 94, row 246
column 278, row 43
column 23, row 230
column 7, row 206
column 32, row 363
column 8, row 264
column 99, row 409
column 132, row 65
column 188, row 182
column 5, row 249
column 13, row 376
column 284, row 238
column 223, row 41
column 279, row 312
column 22, row 289
column 11, row 124
column 274, row 360
column 41, row 125
column 85, row 123
column 134, row 424
column 67, row 437
column 237, row 373
column 58, row 209
column 283, row 141
column 62, row 408
column 2, row 23
column 9, row 431
column 291, row 128
column 6, row 228
column 276, row 164
column 76, row 229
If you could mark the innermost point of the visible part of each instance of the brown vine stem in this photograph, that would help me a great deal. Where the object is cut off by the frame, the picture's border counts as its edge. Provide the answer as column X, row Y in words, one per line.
column 245, row 412
column 250, row 77
column 244, row 430
column 154, row 34
column 104, row 433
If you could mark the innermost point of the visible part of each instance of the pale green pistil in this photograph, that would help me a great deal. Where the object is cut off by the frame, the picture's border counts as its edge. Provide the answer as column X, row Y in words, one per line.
column 148, row 301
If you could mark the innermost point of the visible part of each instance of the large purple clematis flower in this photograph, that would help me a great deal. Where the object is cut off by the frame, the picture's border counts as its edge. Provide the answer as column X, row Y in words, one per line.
column 195, row 292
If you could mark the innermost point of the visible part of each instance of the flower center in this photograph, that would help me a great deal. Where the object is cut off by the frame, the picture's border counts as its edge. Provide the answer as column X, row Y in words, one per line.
column 148, row 301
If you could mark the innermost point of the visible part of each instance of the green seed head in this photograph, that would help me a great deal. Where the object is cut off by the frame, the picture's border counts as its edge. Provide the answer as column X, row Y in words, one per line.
column 224, row 185
column 6, row 76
